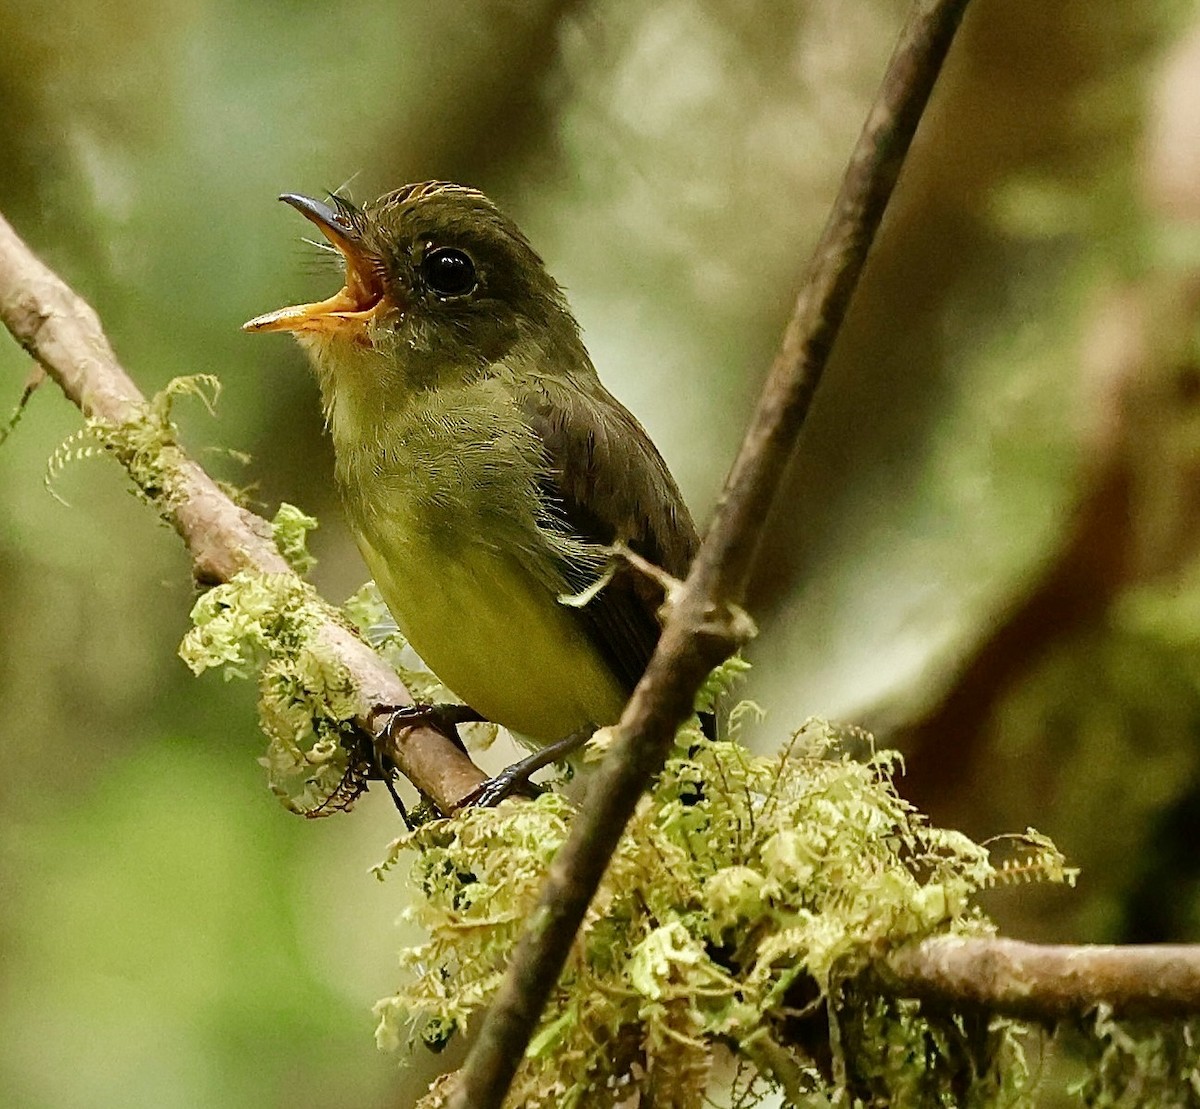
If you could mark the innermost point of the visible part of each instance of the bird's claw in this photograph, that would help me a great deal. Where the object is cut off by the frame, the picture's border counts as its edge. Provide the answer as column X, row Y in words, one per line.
column 517, row 776
column 443, row 717
column 489, row 794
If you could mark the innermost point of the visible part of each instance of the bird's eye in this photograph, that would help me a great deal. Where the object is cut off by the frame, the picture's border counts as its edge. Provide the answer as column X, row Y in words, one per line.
column 449, row 272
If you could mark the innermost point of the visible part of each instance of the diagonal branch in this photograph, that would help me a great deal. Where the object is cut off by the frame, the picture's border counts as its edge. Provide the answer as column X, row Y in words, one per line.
column 702, row 627
column 63, row 333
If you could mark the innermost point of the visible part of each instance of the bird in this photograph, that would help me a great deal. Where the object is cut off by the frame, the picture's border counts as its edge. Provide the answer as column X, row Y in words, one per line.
column 484, row 470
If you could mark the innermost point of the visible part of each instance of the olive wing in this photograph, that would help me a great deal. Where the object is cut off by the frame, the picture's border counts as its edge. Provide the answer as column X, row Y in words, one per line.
column 603, row 481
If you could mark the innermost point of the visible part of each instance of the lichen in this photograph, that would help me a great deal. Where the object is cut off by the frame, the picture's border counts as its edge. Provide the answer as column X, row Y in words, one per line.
column 146, row 445
column 744, row 904
column 289, row 528
column 266, row 624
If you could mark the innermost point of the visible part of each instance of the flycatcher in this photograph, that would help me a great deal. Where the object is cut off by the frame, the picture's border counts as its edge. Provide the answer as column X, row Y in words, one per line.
column 483, row 467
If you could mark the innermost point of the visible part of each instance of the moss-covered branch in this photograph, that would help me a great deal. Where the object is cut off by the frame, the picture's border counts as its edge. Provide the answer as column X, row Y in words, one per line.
column 62, row 332
column 737, row 926
column 790, row 918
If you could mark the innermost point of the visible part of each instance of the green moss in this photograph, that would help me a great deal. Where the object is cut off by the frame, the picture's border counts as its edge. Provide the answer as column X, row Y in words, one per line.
column 146, row 445
column 266, row 624
column 1134, row 1063
column 739, row 914
column 290, row 529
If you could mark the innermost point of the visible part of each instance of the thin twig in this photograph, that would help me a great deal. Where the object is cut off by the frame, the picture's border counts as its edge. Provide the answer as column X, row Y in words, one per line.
column 702, row 627
column 1046, row 982
column 62, row 332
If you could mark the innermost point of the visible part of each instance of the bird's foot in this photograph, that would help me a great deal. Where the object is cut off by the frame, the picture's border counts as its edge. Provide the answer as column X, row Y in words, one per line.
column 517, row 777
column 443, row 717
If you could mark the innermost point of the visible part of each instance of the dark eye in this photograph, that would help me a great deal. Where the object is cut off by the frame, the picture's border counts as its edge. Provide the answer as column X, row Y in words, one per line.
column 448, row 272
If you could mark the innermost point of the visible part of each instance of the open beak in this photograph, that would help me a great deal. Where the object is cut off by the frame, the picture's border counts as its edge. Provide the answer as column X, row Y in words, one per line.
column 356, row 303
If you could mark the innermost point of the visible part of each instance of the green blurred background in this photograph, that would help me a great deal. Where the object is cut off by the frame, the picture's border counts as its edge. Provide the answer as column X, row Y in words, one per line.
column 986, row 551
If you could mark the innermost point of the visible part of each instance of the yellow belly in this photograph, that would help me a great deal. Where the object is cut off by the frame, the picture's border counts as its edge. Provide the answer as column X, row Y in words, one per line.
column 497, row 637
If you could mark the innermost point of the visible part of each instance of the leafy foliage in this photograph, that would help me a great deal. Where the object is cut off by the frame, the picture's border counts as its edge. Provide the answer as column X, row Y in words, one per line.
column 737, row 918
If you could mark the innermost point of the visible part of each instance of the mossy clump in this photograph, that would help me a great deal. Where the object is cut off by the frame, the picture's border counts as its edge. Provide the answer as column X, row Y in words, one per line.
column 289, row 528
column 728, row 942
column 268, row 624
column 1137, row 1062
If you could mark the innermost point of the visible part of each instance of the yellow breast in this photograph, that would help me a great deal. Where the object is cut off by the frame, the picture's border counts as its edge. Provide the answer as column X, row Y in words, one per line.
column 496, row 636
column 443, row 500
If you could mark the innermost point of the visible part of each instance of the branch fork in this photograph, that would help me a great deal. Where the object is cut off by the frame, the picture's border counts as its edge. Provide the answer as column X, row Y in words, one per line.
column 725, row 626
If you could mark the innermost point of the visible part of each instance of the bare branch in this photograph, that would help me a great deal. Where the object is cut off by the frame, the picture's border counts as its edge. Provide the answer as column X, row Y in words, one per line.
column 1046, row 982
column 702, row 628
column 63, row 333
